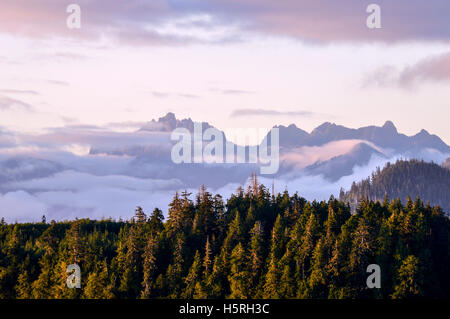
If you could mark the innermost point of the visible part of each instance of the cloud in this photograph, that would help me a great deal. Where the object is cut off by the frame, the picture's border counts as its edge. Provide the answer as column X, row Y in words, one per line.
column 324, row 21
column 188, row 96
column 262, row 112
column 126, row 125
column 133, row 22
column 160, row 95
column 21, row 206
column 164, row 95
column 317, row 187
column 94, row 203
column 7, row 103
column 69, row 56
column 56, row 174
column 232, row 91
column 94, row 187
column 79, row 181
column 71, row 194
column 174, row 22
column 12, row 91
column 7, row 140
column 56, row 82
column 384, row 76
column 431, row 69
column 308, row 155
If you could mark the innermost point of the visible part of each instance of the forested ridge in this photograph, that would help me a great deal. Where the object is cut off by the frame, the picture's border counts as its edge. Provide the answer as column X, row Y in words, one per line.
column 253, row 245
column 405, row 178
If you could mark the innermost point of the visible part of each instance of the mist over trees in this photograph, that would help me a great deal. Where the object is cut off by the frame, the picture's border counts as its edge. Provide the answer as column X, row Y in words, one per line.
column 404, row 179
column 253, row 245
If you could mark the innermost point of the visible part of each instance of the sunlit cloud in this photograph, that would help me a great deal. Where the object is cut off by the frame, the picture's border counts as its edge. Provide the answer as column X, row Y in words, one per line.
column 263, row 112
column 172, row 22
column 7, row 103
column 20, row 92
column 431, row 69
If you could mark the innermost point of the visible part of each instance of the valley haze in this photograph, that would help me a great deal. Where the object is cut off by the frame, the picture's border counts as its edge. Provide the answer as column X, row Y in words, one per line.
column 95, row 172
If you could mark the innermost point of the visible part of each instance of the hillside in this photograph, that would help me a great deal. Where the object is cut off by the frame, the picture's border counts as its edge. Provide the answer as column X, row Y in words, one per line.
column 251, row 245
column 404, row 178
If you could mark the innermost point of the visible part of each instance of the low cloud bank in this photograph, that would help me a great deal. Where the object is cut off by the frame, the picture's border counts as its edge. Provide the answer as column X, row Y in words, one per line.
column 58, row 175
column 70, row 194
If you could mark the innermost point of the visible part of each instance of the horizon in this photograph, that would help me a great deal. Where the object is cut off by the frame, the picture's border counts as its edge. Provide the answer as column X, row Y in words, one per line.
column 134, row 127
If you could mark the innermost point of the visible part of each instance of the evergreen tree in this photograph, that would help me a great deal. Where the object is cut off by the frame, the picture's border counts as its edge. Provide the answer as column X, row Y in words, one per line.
column 216, row 282
column 139, row 216
column 207, row 261
column 156, row 222
column 256, row 254
column 150, row 267
column 317, row 281
column 410, row 279
column 193, row 278
column 239, row 276
column 98, row 285
column 272, row 279
column 175, row 270
column 23, row 287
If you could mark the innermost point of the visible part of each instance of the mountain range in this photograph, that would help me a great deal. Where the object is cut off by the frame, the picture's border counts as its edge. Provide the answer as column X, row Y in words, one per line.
column 329, row 150
column 68, row 171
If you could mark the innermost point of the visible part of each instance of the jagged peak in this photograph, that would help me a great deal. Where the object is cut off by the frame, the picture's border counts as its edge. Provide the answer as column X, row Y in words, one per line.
column 423, row 132
column 326, row 124
column 168, row 116
column 322, row 127
column 290, row 126
column 170, row 122
column 165, row 123
column 390, row 125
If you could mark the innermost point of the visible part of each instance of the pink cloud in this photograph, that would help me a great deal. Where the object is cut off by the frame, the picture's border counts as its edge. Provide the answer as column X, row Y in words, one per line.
column 431, row 69
column 316, row 21
column 435, row 68
column 308, row 155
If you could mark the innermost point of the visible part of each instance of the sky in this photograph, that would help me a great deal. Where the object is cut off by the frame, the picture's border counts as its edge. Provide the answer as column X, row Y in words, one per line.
column 232, row 63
